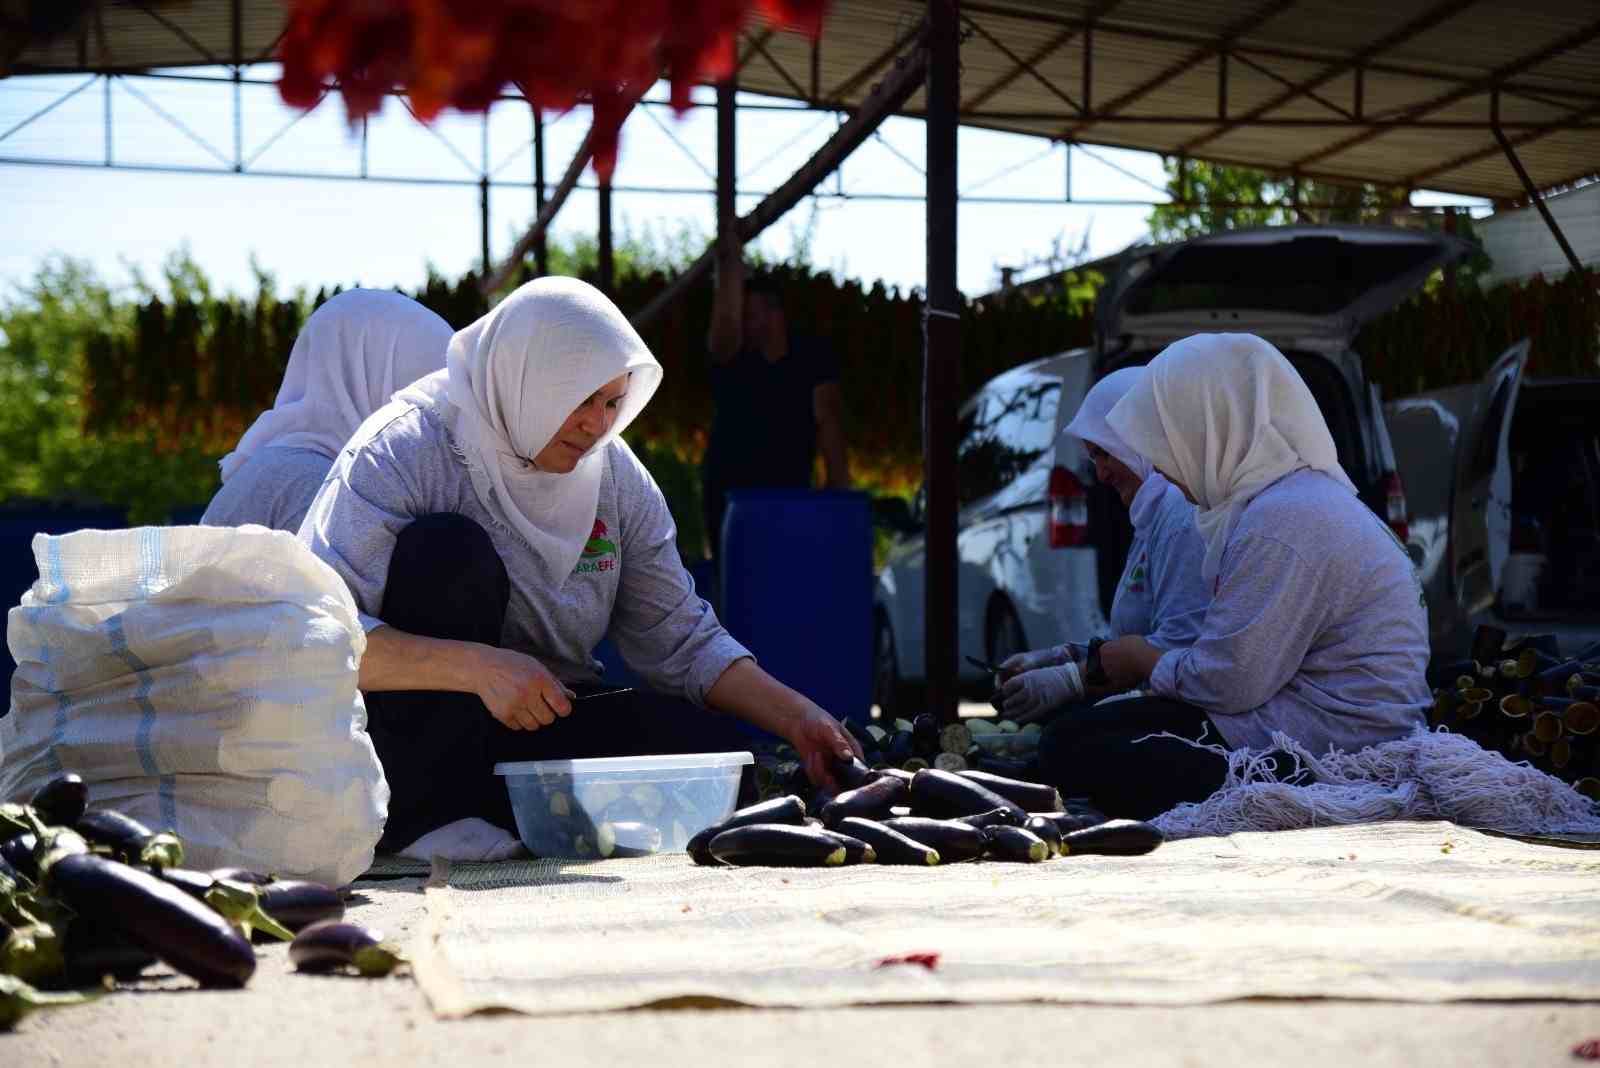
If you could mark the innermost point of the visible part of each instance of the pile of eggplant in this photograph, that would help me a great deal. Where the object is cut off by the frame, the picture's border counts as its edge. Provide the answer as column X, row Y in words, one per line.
column 90, row 897
column 927, row 817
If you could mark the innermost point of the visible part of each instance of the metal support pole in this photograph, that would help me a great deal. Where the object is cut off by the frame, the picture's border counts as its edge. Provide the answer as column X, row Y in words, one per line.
column 729, row 247
column 941, row 381
column 541, row 248
column 109, row 156
column 607, row 267
column 483, row 199
column 1069, row 172
column 1534, row 198
column 1222, row 86
column 237, row 43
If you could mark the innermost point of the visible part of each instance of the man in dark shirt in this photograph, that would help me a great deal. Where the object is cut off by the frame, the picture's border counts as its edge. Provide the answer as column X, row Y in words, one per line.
column 776, row 400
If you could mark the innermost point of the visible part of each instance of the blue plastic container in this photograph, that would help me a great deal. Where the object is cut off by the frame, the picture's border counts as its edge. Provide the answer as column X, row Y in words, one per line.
column 796, row 589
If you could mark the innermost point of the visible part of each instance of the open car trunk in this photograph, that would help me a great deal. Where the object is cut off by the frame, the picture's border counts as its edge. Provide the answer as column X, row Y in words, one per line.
column 1552, row 570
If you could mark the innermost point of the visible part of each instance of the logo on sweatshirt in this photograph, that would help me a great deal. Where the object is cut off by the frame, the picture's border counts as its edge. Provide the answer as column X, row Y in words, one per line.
column 599, row 553
column 1138, row 573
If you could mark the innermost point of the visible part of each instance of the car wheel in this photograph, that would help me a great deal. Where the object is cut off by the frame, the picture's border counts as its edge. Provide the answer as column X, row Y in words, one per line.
column 886, row 689
column 1003, row 637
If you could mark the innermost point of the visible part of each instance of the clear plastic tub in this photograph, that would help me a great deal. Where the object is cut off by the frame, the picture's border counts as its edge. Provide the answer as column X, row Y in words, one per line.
column 620, row 806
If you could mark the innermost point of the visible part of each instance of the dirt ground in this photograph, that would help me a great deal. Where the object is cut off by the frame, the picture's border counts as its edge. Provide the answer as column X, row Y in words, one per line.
column 296, row 1021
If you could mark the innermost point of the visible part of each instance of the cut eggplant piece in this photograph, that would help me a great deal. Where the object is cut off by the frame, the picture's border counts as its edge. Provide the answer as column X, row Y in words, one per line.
column 945, row 795
column 1029, row 796
column 628, row 839
column 955, row 738
column 951, row 762
column 955, row 841
column 1113, row 838
column 1015, row 844
column 891, row 846
column 867, row 802
column 783, row 810
column 777, row 845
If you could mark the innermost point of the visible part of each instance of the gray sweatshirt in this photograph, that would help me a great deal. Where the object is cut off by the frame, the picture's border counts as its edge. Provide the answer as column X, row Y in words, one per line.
column 1162, row 595
column 1318, row 627
column 630, row 583
column 274, row 488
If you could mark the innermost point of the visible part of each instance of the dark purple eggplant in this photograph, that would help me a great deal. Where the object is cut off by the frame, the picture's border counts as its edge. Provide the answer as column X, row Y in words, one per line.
column 851, row 773
column 899, row 773
column 995, row 817
column 93, row 950
column 297, row 905
column 333, row 945
column 128, row 839
column 867, row 802
column 61, row 801
column 243, row 875
column 1029, row 796
column 1046, row 828
column 954, row 840
column 946, row 795
column 925, row 735
column 238, row 903
column 1065, row 822
column 787, row 810
column 1113, row 838
column 1014, row 843
column 891, row 846
column 779, row 846
column 17, row 851
column 153, row 915
column 856, row 851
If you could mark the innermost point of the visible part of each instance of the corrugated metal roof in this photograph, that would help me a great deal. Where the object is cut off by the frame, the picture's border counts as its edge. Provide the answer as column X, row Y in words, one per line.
column 1157, row 70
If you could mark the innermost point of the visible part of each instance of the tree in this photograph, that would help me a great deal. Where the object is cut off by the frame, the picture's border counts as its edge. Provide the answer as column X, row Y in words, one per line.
column 1209, row 197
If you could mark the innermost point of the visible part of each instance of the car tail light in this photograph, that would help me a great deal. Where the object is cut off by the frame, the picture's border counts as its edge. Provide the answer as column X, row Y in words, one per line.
column 1394, row 501
column 1069, row 510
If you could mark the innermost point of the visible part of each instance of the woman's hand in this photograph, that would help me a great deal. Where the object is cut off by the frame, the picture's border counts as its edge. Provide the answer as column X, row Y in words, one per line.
column 519, row 691
column 1128, row 661
column 821, row 743
column 1054, row 656
column 1034, row 695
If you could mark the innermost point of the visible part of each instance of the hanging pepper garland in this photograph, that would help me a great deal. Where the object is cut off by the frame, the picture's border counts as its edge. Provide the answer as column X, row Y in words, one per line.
column 558, row 53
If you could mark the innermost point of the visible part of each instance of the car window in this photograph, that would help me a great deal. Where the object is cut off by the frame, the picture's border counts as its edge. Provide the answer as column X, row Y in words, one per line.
column 1001, row 435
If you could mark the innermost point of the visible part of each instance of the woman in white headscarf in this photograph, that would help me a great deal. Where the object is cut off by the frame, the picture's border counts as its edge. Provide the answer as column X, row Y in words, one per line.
column 493, row 527
column 1316, row 630
column 354, row 352
column 1160, row 595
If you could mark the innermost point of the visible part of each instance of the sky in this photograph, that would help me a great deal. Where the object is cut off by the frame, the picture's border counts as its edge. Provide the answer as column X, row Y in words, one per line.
column 380, row 233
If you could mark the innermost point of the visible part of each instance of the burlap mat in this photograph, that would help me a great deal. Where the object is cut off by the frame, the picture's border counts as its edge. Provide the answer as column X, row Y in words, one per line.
column 1400, row 911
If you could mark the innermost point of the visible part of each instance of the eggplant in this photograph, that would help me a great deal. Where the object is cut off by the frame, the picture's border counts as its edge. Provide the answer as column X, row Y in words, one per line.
column 243, row 875
column 945, row 795
column 1014, row 843
column 61, row 801
column 900, row 748
column 33, row 954
column 153, row 915
column 128, row 839
column 954, row 840
column 334, row 946
column 925, row 735
column 851, row 773
column 298, row 905
column 18, row 999
column 863, row 735
column 901, row 774
column 17, row 851
column 93, row 950
column 1028, row 796
column 625, row 838
column 776, row 845
column 1064, row 822
column 995, row 817
column 867, row 802
column 238, row 903
column 1113, row 838
column 1047, row 830
column 786, row 810
column 891, row 846
column 856, row 851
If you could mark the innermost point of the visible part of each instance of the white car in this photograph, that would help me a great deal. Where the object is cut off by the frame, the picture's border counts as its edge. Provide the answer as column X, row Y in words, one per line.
column 1040, row 546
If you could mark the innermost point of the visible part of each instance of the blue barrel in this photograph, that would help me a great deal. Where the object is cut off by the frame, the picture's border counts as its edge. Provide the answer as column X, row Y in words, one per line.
column 19, row 522
column 795, row 571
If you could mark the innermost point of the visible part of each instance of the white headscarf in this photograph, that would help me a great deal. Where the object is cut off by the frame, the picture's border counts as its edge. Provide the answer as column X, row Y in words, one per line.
column 511, row 379
column 1227, row 415
column 353, row 354
column 1090, row 422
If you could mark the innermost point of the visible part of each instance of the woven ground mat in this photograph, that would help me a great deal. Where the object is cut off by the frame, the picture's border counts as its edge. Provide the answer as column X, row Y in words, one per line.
column 1400, row 911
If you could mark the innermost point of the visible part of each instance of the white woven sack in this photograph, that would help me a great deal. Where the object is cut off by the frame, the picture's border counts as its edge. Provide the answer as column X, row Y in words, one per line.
column 203, row 680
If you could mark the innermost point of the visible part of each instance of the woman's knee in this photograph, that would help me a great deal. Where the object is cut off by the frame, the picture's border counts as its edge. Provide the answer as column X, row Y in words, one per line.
column 445, row 573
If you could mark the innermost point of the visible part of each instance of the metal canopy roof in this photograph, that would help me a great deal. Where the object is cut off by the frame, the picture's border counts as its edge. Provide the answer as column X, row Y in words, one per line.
column 1402, row 92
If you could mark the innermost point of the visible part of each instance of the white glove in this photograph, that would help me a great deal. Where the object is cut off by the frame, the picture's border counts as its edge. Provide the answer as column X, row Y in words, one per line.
column 1041, row 690
column 1054, row 656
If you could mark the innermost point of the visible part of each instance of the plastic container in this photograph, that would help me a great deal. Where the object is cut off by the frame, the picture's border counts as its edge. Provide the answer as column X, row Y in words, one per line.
column 620, row 806
column 796, row 589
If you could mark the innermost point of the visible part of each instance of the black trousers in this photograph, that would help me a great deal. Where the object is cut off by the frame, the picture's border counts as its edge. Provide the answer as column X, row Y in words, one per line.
column 438, row 749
